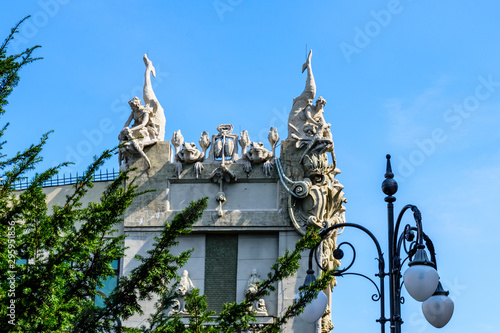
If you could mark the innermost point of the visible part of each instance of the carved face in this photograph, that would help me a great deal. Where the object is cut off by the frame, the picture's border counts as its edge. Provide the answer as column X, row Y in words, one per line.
column 189, row 153
column 189, row 146
column 134, row 102
column 320, row 102
column 257, row 153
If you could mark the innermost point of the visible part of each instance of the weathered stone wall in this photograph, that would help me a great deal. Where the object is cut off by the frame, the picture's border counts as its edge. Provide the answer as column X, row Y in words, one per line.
column 253, row 213
column 253, row 201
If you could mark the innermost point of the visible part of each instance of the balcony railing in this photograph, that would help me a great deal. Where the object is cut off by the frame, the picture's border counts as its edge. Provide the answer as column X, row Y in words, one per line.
column 68, row 179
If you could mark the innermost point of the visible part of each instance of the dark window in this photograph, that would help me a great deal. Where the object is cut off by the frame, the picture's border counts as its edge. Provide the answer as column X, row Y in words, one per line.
column 221, row 260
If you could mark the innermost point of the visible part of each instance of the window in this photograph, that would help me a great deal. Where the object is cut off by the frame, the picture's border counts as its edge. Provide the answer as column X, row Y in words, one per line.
column 221, row 260
column 109, row 284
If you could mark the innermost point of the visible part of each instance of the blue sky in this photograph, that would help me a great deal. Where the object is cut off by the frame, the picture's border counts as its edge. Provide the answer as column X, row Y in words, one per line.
column 417, row 79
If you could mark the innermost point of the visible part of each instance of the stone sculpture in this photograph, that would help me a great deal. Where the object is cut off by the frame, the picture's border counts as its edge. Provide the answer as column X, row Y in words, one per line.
column 224, row 152
column 315, row 197
column 222, row 175
column 189, row 153
column 150, row 100
column 141, row 133
column 184, row 289
column 224, row 148
column 148, row 123
column 259, row 305
column 258, row 154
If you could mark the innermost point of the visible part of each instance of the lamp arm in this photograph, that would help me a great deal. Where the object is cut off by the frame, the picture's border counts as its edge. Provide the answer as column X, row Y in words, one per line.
column 418, row 221
column 430, row 248
column 413, row 247
column 380, row 296
column 338, row 253
column 325, row 232
column 402, row 239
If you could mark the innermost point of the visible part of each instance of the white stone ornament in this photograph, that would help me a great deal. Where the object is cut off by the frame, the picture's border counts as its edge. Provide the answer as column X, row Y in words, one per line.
column 256, row 153
column 315, row 197
column 259, row 305
column 183, row 290
column 158, row 117
column 224, row 148
column 145, row 125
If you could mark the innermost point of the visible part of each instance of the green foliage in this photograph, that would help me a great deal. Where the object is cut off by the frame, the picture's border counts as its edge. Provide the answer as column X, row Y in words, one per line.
column 199, row 319
column 10, row 66
column 153, row 276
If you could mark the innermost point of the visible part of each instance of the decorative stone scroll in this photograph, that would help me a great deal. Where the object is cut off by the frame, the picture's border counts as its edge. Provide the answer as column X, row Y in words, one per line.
column 148, row 122
column 315, row 197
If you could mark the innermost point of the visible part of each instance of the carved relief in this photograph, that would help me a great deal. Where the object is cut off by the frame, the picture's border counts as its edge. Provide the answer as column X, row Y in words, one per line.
column 315, row 197
column 220, row 175
column 224, row 152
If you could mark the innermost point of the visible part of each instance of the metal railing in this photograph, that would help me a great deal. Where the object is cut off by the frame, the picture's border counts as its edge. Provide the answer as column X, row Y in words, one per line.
column 64, row 179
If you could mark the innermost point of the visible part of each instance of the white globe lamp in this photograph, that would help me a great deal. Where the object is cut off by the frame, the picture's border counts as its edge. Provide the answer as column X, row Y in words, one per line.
column 438, row 308
column 421, row 278
column 314, row 310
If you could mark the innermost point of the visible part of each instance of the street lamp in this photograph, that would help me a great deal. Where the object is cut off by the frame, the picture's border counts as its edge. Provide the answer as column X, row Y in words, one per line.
column 420, row 279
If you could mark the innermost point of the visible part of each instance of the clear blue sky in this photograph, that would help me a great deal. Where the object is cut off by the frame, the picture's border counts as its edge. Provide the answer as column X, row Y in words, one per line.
column 417, row 79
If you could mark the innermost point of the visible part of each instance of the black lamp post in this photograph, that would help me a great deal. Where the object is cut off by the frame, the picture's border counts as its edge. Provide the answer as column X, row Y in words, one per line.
column 420, row 279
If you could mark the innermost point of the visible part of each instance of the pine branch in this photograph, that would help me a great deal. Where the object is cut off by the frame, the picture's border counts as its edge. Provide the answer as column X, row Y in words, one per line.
column 285, row 266
column 150, row 277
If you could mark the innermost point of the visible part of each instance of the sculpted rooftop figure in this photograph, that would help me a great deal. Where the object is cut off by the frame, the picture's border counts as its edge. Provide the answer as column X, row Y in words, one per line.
column 158, row 117
column 148, row 122
column 135, row 136
column 315, row 197
column 306, row 121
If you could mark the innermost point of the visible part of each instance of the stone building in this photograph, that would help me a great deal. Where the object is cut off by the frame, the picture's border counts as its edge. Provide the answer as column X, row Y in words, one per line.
column 259, row 204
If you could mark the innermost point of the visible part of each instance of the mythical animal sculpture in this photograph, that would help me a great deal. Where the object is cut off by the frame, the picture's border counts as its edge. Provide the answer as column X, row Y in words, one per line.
column 256, row 153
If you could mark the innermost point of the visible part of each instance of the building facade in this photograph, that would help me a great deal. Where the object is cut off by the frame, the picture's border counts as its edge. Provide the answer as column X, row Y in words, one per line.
column 259, row 203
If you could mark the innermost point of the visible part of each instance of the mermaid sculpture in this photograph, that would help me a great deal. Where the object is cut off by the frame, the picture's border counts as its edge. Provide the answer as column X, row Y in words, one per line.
column 148, row 122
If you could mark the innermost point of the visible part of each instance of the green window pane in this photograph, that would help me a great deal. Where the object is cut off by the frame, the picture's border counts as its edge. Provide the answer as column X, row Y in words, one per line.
column 109, row 284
